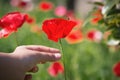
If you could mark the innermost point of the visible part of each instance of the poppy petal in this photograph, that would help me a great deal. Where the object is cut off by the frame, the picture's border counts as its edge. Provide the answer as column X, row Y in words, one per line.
column 13, row 20
column 5, row 32
column 55, row 68
column 10, row 23
column 45, row 6
column 57, row 28
column 116, row 69
column 74, row 37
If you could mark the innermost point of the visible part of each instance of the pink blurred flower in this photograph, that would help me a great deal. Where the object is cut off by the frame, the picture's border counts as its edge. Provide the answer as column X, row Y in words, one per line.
column 14, row 3
column 116, row 69
column 55, row 69
column 60, row 11
column 94, row 35
column 23, row 4
column 75, row 36
column 45, row 5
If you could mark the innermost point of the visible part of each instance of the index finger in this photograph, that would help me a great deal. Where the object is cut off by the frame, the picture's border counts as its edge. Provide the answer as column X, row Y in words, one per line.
column 42, row 48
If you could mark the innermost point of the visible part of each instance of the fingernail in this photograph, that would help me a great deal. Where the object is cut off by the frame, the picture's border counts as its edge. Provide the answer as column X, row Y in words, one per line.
column 57, row 55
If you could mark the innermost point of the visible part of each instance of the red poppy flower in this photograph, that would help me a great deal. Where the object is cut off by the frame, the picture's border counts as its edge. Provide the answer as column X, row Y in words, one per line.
column 45, row 6
column 55, row 68
column 74, row 37
column 10, row 23
column 116, row 69
column 57, row 28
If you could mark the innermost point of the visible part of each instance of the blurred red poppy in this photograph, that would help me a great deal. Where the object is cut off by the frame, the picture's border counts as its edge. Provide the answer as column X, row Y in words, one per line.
column 29, row 19
column 55, row 69
column 98, row 16
column 116, row 69
column 74, row 37
column 22, row 4
column 10, row 23
column 45, row 6
column 95, row 20
column 57, row 28
column 94, row 35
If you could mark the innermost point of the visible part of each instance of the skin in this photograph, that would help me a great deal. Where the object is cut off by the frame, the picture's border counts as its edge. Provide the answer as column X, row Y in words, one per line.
column 23, row 59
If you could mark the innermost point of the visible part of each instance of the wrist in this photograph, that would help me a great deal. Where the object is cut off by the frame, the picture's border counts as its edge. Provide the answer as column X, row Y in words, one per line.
column 10, row 66
column 17, row 61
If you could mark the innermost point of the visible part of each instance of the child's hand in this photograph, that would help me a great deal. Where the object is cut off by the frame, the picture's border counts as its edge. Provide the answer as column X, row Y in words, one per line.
column 25, row 59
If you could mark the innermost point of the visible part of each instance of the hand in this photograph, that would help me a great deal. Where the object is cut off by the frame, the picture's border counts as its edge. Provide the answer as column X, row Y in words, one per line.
column 25, row 58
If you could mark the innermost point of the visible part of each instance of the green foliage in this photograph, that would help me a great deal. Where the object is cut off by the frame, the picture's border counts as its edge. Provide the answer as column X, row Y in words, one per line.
column 112, row 17
column 108, row 5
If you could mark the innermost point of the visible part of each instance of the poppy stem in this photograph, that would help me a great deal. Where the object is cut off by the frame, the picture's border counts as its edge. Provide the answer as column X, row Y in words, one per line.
column 63, row 59
column 16, row 39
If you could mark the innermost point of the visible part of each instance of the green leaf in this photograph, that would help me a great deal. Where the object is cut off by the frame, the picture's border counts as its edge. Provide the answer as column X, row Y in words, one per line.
column 109, row 4
column 116, row 33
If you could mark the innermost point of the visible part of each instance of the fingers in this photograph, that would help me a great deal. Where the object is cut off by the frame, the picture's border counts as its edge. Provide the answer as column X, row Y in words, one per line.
column 34, row 54
column 28, row 77
column 34, row 69
column 42, row 48
column 44, row 56
column 45, row 53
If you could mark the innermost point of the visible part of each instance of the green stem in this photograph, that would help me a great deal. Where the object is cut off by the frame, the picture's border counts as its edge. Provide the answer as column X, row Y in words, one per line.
column 63, row 59
column 16, row 39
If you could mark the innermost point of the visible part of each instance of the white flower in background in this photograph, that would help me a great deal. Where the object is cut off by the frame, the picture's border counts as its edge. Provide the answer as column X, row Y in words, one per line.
column 113, row 42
